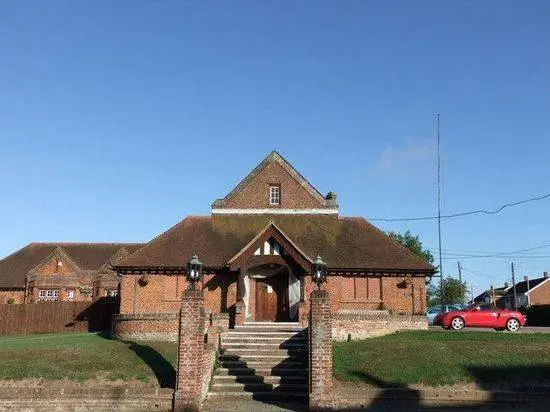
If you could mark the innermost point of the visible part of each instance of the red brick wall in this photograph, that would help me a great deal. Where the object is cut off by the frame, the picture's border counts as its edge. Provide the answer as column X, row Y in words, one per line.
column 256, row 194
column 376, row 292
column 162, row 293
column 541, row 295
column 360, row 324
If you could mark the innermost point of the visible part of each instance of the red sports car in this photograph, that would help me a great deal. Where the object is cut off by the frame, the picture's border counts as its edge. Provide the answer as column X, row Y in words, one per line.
column 481, row 316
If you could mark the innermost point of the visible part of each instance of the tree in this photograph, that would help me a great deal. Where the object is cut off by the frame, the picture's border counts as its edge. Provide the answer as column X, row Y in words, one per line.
column 413, row 243
column 454, row 291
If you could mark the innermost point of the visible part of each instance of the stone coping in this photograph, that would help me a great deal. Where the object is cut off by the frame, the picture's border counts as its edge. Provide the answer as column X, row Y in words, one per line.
column 146, row 316
column 117, row 392
column 374, row 312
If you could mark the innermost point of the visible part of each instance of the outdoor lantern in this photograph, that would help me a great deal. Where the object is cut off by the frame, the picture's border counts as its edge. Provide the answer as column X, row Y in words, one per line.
column 319, row 271
column 194, row 271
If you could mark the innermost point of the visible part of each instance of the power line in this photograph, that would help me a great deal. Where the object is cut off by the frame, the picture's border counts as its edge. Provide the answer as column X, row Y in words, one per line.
column 498, row 257
column 477, row 273
column 500, row 254
column 468, row 213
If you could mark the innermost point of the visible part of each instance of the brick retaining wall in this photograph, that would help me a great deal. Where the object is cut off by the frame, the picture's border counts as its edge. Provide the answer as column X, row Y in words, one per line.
column 353, row 397
column 146, row 326
column 360, row 324
column 88, row 399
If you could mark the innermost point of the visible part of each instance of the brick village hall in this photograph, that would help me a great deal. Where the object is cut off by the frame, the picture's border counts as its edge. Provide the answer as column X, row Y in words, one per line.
column 257, row 248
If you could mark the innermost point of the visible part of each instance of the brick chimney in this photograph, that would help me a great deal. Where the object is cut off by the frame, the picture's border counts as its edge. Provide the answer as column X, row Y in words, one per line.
column 546, row 275
column 526, row 279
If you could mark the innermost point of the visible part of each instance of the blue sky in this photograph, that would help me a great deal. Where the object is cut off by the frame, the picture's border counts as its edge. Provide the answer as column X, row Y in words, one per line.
column 118, row 119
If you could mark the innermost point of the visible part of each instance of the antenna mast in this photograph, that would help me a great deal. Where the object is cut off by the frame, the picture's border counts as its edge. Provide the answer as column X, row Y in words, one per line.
column 439, row 208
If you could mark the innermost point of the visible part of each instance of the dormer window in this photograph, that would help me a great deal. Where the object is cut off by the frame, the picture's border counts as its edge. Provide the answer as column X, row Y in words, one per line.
column 274, row 195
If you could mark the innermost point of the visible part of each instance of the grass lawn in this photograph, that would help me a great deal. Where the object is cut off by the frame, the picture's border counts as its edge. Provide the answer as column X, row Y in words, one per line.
column 84, row 356
column 441, row 358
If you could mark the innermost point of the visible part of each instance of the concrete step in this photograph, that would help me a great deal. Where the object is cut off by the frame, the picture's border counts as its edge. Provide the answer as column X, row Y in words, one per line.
column 268, row 326
column 264, row 332
column 264, row 339
column 275, row 364
column 257, row 387
column 251, row 357
column 263, row 352
column 261, row 371
column 257, row 395
column 269, row 379
column 263, row 346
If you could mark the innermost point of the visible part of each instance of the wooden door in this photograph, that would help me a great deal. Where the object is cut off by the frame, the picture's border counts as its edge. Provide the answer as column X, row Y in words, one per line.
column 271, row 300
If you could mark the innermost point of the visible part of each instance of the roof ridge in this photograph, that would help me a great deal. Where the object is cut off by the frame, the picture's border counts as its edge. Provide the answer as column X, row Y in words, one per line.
column 82, row 243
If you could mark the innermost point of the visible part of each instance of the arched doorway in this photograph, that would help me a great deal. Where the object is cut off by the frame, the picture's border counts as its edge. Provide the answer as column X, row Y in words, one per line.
column 271, row 292
column 272, row 297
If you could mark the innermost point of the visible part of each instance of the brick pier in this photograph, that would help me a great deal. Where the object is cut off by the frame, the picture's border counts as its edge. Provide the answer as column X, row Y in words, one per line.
column 320, row 350
column 188, row 391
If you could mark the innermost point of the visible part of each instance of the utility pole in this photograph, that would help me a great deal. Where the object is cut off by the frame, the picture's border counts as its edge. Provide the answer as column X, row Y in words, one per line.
column 439, row 208
column 460, row 280
column 514, row 283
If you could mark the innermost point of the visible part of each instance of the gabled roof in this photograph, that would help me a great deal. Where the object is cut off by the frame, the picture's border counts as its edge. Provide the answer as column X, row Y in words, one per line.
column 272, row 157
column 271, row 231
column 87, row 256
column 343, row 242
column 521, row 287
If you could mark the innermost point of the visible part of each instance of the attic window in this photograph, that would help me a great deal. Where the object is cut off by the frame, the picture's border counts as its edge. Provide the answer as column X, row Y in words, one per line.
column 274, row 195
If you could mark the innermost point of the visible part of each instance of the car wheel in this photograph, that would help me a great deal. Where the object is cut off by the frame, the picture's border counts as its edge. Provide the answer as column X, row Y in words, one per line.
column 512, row 325
column 457, row 323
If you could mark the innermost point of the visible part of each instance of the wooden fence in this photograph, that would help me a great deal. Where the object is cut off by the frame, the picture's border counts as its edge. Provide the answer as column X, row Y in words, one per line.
column 52, row 317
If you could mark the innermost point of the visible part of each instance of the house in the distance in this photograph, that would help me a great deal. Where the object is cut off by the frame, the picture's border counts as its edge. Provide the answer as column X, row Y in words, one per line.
column 61, row 272
column 529, row 292
column 493, row 296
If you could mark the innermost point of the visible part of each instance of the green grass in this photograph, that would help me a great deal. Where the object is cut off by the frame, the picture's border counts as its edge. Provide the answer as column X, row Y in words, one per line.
column 441, row 358
column 85, row 356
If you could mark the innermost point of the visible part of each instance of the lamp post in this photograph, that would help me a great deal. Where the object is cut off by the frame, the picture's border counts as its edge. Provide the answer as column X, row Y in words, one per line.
column 194, row 272
column 319, row 271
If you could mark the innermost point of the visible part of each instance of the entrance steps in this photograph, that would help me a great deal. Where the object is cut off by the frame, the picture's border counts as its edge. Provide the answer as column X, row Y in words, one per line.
column 262, row 360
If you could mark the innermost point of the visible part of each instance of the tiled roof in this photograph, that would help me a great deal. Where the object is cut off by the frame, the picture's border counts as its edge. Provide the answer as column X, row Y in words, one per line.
column 521, row 287
column 88, row 256
column 343, row 242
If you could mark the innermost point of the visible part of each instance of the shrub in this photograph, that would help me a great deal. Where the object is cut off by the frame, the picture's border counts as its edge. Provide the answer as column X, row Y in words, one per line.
column 538, row 315
column 11, row 301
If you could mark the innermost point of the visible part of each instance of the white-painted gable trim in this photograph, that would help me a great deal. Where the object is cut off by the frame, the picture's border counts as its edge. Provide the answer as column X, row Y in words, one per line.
column 275, row 211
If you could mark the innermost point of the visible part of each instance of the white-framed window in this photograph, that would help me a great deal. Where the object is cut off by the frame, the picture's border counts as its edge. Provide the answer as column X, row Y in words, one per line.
column 70, row 295
column 48, row 294
column 111, row 293
column 274, row 195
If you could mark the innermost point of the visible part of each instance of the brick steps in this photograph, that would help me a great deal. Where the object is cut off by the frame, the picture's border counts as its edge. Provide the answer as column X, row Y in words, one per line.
column 262, row 360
